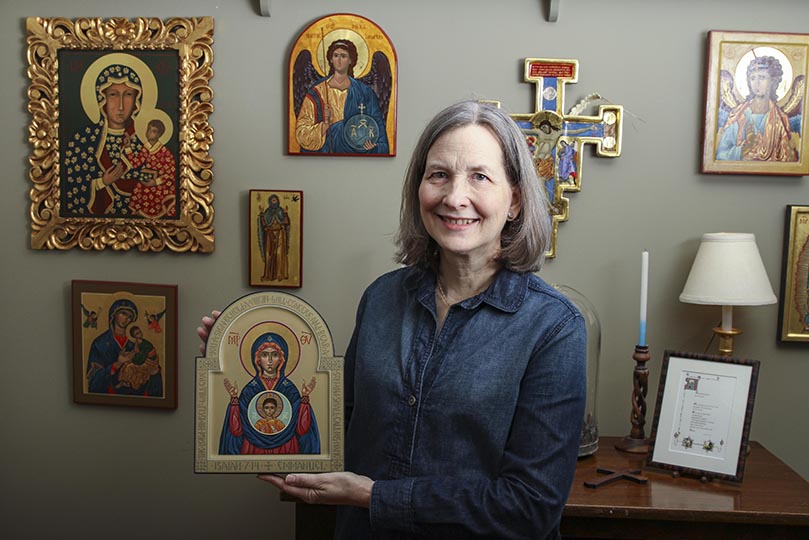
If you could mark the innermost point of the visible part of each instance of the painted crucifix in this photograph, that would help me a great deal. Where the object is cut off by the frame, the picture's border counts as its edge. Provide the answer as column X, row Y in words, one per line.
column 556, row 140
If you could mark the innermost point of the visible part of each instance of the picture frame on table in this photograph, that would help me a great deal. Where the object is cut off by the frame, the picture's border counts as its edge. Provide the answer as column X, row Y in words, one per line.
column 703, row 414
column 124, row 343
column 755, row 105
column 119, row 133
column 275, row 223
column 793, row 312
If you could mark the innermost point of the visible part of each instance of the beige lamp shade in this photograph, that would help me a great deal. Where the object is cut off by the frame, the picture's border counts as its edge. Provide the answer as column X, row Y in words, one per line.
column 728, row 271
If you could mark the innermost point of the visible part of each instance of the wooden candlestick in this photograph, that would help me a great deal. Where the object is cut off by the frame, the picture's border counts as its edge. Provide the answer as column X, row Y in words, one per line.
column 636, row 442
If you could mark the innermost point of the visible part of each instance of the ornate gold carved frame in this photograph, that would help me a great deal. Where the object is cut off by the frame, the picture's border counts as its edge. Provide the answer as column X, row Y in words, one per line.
column 182, row 218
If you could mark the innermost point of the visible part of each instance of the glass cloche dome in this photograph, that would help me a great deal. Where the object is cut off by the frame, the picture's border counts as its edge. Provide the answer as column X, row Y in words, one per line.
column 589, row 429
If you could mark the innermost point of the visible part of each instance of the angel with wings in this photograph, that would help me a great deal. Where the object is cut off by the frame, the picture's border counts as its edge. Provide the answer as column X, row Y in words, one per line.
column 759, row 127
column 90, row 317
column 153, row 320
column 338, row 114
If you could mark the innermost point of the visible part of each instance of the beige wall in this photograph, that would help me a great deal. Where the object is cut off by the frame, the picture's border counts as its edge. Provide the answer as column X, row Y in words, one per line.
column 102, row 470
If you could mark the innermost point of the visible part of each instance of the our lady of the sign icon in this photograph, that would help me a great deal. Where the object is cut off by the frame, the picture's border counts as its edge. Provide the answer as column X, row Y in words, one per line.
column 269, row 390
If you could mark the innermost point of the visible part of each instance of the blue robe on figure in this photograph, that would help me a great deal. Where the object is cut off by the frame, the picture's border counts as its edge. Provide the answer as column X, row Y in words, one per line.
column 339, row 140
column 252, row 441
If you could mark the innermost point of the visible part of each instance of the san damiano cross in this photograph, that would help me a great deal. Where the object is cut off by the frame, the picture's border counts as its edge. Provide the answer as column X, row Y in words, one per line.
column 556, row 140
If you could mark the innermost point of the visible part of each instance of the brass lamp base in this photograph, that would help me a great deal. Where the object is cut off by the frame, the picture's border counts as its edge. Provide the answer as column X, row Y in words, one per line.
column 726, row 339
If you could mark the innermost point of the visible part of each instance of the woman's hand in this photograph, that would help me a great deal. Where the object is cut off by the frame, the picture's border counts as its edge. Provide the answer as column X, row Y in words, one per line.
column 204, row 330
column 344, row 488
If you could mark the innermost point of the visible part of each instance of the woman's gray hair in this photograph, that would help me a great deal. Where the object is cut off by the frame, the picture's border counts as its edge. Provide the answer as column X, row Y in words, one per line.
column 524, row 240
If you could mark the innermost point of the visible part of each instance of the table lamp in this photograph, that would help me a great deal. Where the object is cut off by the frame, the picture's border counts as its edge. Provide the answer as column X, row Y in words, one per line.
column 727, row 272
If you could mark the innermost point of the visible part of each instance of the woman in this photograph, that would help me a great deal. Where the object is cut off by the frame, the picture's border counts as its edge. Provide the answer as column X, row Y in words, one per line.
column 464, row 402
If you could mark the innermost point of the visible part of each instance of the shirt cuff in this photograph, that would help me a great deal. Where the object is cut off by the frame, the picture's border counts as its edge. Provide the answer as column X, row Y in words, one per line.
column 391, row 504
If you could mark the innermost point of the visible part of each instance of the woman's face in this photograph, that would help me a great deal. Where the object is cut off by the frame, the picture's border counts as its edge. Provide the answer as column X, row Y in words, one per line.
column 120, row 104
column 760, row 83
column 465, row 194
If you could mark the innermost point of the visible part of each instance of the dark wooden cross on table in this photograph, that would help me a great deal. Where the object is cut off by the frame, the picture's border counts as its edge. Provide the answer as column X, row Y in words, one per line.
column 556, row 140
column 613, row 476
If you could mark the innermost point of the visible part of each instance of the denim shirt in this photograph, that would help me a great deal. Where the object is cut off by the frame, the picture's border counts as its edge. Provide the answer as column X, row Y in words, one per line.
column 471, row 432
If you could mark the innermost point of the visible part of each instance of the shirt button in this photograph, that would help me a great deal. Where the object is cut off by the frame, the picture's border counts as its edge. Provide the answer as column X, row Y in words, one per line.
column 411, row 400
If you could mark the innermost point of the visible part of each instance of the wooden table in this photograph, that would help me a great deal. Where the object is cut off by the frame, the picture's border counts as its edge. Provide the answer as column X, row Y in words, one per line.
column 771, row 503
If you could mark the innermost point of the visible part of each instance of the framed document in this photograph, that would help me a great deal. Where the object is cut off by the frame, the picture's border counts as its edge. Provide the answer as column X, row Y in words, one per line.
column 703, row 413
column 269, row 390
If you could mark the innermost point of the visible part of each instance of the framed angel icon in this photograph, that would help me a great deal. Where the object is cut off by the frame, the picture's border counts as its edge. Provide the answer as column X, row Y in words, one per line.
column 755, row 98
column 342, row 89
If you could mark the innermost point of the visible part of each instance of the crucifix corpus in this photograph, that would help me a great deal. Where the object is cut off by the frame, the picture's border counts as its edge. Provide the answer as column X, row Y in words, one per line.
column 556, row 140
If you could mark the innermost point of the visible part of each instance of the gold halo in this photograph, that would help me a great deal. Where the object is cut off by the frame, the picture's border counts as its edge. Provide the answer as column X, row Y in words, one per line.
column 89, row 100
column 360, row 68
column 547, row 116
column 142, row 122
column 294, row 346
column 740, row 76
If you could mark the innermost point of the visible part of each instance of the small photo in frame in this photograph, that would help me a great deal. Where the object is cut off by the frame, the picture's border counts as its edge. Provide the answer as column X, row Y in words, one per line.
column 124, row 343
column 755, row 103
column 793, row 319
column 276, row 238
column 703, row 414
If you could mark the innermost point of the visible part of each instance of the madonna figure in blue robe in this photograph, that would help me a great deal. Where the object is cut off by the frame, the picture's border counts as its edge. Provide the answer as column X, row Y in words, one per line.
column 98, row 178
column 112, row 350
column 300, row 436
column 341, row 115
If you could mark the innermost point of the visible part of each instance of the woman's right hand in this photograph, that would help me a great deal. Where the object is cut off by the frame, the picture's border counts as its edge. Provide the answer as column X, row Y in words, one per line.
column 204, row 331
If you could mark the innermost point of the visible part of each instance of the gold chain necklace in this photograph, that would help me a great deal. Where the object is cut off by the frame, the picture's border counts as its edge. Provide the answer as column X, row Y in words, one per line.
column 441, row 293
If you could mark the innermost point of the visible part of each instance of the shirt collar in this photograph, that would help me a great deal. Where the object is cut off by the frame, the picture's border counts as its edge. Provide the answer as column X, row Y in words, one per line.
column 506, row 293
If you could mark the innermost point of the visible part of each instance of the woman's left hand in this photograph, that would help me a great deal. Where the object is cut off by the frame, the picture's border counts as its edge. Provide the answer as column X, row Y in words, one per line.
column 344, row 488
